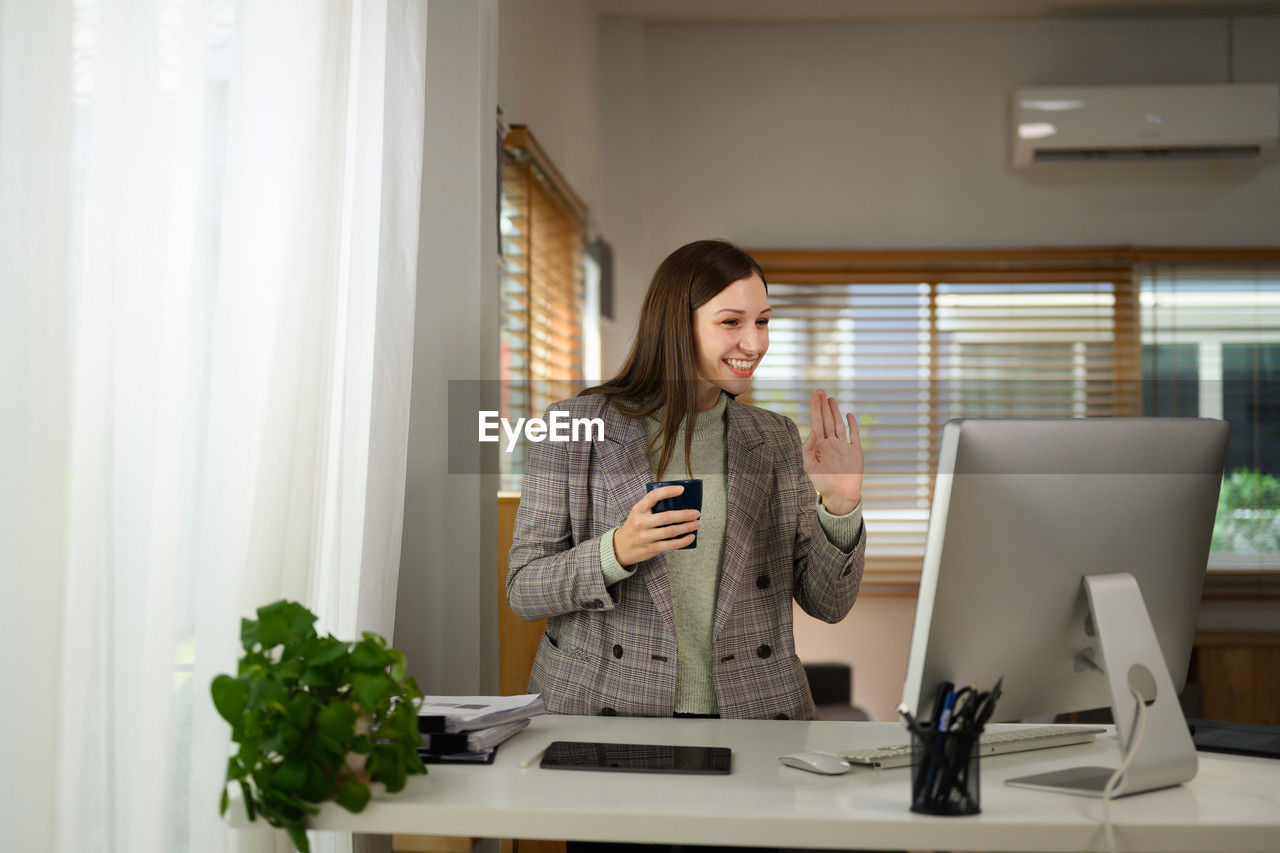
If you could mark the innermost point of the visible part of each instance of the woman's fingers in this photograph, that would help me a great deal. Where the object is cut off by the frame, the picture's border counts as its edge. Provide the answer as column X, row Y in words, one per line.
column 826, row 421
column 837, row 423
column 673, row 544
column 650, row 500
column 821, row 421
column 645, row 533
column 672, row 517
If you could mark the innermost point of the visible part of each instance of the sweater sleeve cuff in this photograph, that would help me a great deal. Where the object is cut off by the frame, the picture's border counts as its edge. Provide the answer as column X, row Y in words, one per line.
column 609, row 565
column 842, row 531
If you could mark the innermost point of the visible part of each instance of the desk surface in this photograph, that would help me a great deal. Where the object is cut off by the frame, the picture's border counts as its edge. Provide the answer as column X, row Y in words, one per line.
column 1232, row 804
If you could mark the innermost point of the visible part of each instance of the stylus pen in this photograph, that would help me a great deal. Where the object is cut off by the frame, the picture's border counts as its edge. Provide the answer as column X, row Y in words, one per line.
column 910, row 720
column 533, row 759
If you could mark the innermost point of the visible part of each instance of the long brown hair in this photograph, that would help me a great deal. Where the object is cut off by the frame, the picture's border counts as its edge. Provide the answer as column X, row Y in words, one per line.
column 660, row 372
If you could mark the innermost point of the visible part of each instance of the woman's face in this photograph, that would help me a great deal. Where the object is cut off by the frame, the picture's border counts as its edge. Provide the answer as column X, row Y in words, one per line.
column 731, row 335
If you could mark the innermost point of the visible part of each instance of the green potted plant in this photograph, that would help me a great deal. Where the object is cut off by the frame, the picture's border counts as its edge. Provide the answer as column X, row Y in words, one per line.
column 314, row 719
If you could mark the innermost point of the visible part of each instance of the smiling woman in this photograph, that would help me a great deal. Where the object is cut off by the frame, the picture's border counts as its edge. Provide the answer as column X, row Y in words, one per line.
column 731, row 332
column 642, row 618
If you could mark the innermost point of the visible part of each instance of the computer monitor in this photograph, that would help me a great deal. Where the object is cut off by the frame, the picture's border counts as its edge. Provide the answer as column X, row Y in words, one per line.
column 1024, row 510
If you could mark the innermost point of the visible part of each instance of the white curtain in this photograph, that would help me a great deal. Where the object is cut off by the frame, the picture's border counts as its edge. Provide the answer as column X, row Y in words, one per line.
column 226, row 215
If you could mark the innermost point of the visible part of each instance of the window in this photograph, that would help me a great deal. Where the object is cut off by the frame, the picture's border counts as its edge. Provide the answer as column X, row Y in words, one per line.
column 913, row 339
column 1211, row 348
column 542, row 239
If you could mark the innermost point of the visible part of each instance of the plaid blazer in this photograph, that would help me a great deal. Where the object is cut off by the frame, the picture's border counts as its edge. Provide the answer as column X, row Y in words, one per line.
column 613, row 650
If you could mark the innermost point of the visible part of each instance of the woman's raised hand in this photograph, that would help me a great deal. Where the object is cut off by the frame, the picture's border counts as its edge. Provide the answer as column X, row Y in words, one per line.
column 646, row 533
column 833, row 455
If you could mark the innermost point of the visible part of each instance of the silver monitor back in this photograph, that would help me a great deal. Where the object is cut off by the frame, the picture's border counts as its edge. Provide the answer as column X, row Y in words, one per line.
column 1023, row 509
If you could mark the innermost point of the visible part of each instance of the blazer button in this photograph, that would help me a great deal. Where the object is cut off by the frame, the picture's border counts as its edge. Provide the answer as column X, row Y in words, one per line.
column 763, row 582
column 617, row 651
column 764, row 651
column 595, row 604
column 608, row 712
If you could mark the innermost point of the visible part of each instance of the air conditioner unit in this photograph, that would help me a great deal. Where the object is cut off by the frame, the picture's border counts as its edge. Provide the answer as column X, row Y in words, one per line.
column 1236, row 123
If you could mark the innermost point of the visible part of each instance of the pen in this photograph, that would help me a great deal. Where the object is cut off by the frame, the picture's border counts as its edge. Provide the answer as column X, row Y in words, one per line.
column 988, row 705
column 910, row 720
column 940, row 696
column 929, row 794
column 944, row 716
column 967, row 699
column 533, row 759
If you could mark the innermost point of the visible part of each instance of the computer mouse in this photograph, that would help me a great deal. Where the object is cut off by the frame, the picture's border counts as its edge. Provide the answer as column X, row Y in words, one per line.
column 817, row 762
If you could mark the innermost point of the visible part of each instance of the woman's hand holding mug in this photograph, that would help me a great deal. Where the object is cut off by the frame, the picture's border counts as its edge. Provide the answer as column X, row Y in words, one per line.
column 646, row 534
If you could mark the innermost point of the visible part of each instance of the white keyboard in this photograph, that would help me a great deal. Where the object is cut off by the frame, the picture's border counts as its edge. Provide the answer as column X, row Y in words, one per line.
column 990, row 743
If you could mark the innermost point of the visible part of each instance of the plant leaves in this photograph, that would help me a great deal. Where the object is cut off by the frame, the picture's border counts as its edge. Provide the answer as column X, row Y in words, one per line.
column 337, row 720
column 317, row 786
column 289, row 670
column 398, row 664
column 248, row 634
column 300, row 620
column 367, row 656
column 353, row 795
column 230, row 696
column 290, row 775
column 302, row 710
column 294, row 706
column 396, row 776
column 272, row 631
column 247, row 793
column 298, row 835
column 371, row 688
column 248, row 754
column 324, row 650
column 265, row 692
column 235, row 769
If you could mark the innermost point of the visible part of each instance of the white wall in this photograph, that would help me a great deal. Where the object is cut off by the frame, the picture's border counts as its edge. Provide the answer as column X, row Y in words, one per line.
column 548, row 79
column 893, row 135
column 538, row 59
column 446, row 620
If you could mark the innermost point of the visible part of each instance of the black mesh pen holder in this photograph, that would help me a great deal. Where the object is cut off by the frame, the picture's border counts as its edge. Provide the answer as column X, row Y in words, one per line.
column 944, row 772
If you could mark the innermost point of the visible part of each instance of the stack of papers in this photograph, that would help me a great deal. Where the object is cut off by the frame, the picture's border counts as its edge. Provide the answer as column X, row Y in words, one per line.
column 470, row 728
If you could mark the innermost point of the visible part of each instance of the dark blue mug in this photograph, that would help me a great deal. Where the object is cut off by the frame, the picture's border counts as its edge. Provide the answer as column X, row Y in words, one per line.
column 690, row 498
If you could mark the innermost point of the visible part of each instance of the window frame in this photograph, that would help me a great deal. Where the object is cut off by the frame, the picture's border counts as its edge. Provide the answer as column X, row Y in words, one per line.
column 1118, row 264
column 554, row 234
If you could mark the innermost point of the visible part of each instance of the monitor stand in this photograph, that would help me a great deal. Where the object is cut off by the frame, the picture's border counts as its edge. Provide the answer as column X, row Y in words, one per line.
column 1131, row 658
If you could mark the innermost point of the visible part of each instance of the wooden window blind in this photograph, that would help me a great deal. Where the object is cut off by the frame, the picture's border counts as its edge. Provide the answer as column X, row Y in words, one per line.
column 542, row 226
column 911, row 340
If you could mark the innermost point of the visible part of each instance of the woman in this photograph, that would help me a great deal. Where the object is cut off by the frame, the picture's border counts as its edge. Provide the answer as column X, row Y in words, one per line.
column 636, row 626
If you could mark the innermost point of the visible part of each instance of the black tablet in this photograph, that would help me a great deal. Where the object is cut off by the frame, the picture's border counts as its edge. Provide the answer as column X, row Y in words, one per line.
column 636, row 757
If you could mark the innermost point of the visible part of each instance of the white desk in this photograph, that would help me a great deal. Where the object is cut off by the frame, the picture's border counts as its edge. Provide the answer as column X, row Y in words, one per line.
column 1232, row 804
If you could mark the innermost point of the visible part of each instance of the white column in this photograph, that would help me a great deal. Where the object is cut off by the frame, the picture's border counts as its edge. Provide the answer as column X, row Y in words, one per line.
column 446, row 607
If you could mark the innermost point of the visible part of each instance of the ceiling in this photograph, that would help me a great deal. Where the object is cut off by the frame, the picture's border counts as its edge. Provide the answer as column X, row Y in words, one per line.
column 778, row 11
